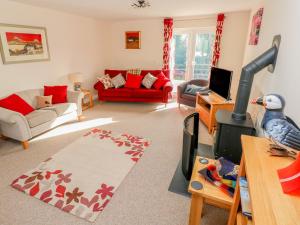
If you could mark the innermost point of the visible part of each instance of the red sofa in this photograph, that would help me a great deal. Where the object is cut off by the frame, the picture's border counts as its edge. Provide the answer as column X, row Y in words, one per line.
column 134, row 95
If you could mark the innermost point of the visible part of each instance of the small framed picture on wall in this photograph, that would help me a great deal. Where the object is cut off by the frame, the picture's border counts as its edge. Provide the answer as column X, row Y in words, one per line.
column 133, row 40
column 19, row 44
column 255, row 28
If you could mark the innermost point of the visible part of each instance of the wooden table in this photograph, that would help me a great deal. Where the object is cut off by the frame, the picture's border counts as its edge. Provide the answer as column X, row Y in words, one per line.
column 270, row 206
column 209, row 194
column 90, row 103
column 208, row 105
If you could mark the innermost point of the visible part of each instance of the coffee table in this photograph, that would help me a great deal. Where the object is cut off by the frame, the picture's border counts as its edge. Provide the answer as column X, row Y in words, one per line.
column 208, row 194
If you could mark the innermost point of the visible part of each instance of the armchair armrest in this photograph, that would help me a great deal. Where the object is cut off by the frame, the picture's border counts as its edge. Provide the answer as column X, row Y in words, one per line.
column 76, row 97
column 9, row 116
column 14, row 125
column 168, row 87
column 181, row 87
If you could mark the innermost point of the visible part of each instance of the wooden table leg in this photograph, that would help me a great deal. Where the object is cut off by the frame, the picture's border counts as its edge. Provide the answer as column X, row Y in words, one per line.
column 25, row 145
column 244, row 220
column 196, row 210
column 91, row 101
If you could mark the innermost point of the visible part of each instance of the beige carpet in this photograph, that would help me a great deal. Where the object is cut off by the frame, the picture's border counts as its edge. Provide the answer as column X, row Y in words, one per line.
column 142, row 198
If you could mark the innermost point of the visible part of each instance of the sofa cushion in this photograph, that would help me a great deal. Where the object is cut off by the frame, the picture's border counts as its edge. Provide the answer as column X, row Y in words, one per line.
column 147, row 93
column 155, row 72
column 39, row 117
column 62, row 109
column 106, row 81
column 59, row 93
column 118, row 81
column 17, row 104
column 119, row 92
column 133, row 81
column 44, row 101
column 192, row 89
column 134, row 72
column 149, row 80
column 161, row 81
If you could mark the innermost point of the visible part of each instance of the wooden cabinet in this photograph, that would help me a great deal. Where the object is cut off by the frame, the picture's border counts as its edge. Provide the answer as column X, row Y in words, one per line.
column 208, row 105
column 269, row 204
column 209, row 194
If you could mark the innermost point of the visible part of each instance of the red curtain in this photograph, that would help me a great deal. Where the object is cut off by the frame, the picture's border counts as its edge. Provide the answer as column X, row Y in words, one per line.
column 168, row 33
column 219, row 30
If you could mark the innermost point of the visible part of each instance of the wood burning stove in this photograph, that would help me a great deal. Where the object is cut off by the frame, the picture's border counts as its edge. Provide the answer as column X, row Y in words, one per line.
column 230, row 126
column 190, row 144
column 227, row 139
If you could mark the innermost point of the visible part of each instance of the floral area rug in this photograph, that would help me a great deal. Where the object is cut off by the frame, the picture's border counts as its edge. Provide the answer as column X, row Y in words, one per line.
column 82, row 178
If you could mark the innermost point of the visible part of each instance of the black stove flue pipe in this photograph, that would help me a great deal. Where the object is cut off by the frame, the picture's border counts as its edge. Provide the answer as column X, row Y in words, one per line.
column 268, row 58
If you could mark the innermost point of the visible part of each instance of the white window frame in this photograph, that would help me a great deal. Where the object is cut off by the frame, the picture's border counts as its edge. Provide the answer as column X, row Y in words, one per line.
column 192, row 32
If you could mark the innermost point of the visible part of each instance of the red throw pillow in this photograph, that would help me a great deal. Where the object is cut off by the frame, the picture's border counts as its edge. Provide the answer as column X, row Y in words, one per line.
column 59, row 93
column 161, row 81
column 133, row 81
column 17, row 104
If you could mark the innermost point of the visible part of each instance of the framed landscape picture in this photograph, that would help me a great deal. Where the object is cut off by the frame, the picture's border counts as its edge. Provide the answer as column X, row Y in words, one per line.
column 133, row 39
column 20, row 44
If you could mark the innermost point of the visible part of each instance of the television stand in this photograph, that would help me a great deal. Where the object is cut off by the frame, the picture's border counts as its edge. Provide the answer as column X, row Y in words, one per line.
column 208, row 105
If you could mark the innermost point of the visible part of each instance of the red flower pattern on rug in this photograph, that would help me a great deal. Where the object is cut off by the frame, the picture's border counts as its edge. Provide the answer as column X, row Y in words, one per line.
column 60, row 196
column 57, row 187
column 136, row 145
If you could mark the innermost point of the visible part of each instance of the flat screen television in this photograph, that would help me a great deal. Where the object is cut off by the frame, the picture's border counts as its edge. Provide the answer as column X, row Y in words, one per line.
column 220, row 82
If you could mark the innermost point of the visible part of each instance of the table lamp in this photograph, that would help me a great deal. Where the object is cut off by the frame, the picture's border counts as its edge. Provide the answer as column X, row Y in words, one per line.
column 76, row 79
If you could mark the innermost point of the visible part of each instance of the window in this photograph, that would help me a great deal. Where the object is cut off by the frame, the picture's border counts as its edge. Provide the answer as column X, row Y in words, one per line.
column 191, row 53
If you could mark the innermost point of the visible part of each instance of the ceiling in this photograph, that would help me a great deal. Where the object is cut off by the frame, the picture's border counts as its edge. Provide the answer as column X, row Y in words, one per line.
column 121, row 9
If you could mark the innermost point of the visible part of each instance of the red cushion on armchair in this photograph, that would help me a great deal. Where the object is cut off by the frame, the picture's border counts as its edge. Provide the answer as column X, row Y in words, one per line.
column 17, row 104
column 59, row 93
column 161, row 81
column 133, row 81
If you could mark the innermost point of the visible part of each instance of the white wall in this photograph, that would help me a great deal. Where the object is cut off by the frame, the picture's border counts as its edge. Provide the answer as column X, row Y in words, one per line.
column 149, row 56
column 235, row 32
column 189, row 22
column 282, row 18
column 79, row 44
column 76, row 44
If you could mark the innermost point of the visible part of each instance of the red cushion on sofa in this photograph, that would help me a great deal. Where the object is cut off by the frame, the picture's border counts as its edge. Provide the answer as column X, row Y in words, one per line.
column 161, row 81
column 59, row 93
column 133, row 81
column 17, row 104
column 156, row 72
